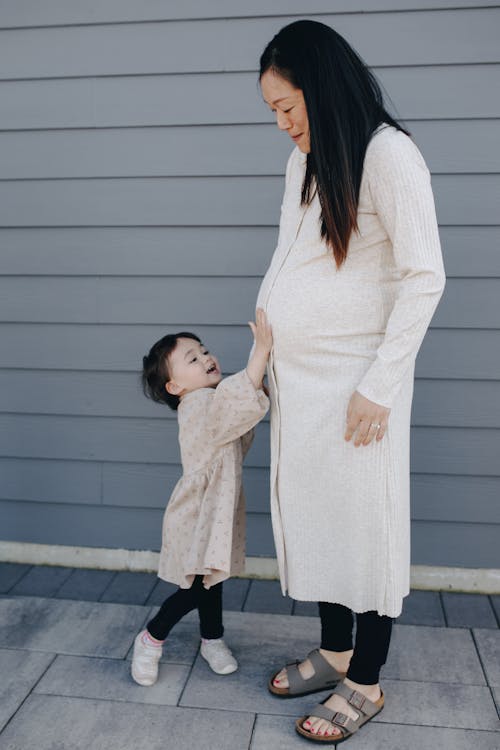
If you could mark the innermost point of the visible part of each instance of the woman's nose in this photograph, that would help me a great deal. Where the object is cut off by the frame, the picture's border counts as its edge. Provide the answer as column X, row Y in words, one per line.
column 282, row 121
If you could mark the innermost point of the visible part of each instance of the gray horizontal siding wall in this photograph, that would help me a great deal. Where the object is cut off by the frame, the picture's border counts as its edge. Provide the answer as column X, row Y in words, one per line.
column 140, row 183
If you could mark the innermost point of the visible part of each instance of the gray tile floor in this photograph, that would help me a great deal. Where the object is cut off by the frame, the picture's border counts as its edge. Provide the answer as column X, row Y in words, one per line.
column 65, row 649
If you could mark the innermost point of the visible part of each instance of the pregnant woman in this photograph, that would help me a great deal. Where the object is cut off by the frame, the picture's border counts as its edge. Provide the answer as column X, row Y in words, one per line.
column 349, row 293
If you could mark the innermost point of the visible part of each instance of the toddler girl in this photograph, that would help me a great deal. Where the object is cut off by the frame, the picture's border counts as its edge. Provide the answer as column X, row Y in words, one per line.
column 203, row 539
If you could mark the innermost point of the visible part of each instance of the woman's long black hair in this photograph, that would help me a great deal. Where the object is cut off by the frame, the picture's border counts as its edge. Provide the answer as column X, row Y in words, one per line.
column 344, row 106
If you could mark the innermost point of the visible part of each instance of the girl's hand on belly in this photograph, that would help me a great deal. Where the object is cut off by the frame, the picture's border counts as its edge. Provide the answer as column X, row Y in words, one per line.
column 366, row 419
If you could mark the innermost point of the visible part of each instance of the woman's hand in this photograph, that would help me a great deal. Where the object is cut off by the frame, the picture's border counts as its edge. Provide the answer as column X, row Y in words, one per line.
column 365, row 418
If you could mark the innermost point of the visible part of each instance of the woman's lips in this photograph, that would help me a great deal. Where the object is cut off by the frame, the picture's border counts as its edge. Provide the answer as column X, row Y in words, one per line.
column 296, row 137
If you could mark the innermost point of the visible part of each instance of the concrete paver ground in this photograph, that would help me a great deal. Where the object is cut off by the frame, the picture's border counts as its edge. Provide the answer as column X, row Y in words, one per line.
column 66, row 685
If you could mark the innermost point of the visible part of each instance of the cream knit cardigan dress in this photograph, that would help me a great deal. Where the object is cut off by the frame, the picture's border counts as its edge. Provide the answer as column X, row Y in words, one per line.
column 341, row 515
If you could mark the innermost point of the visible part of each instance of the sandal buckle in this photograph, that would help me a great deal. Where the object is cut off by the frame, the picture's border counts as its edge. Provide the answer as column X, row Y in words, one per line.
column 340, row 718
column 357, row 699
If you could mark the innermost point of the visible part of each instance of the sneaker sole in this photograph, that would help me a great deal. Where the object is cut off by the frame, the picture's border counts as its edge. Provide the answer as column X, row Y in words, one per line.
column 142, row 681
column 226, row 670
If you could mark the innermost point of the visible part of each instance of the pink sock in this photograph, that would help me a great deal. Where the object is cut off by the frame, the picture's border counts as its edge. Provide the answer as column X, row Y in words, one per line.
column 148, row 639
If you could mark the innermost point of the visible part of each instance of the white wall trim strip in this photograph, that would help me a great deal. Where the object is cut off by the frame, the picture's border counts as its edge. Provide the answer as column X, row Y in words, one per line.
column 425, row 577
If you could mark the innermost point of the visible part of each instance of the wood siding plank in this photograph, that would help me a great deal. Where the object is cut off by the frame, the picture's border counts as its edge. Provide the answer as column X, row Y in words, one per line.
column 468, row 36
column 452, row 544
column 207, row 201
column 467, row 146
column 469, row 252
column 437, row 403
column 143, row 251
column 65, row 12
column 434, row 497
column 455, row 544
column 466, row 303
column 429, row 92
column 445, row 353
column 50, row 481
column 106, row 526
column 455, row 498
column 435, row 450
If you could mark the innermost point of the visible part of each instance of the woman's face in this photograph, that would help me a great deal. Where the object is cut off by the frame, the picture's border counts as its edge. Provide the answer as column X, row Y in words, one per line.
column 290, row 107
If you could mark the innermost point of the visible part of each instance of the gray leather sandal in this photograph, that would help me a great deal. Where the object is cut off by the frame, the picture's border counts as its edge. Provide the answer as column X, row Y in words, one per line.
column 325, row 677
column 366, row 710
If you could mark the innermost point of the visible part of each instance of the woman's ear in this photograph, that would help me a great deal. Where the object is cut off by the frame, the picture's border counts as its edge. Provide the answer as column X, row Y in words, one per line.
column 173, row 388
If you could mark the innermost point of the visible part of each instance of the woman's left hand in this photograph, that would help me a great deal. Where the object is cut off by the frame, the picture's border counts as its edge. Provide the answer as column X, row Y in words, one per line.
column 365, row 418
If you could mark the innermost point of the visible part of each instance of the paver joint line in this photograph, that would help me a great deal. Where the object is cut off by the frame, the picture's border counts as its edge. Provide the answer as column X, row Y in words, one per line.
column 29, row 693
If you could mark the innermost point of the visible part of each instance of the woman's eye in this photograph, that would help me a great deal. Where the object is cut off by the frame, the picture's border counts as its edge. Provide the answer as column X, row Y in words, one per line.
column 287, row 110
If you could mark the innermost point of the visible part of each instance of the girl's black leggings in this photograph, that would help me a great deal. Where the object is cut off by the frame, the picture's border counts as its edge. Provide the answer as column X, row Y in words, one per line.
column 373, row 635
column 208, row 602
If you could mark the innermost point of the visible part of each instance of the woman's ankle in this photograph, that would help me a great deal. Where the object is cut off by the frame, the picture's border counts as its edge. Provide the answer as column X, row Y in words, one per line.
column 372, row 691
column 338, row 659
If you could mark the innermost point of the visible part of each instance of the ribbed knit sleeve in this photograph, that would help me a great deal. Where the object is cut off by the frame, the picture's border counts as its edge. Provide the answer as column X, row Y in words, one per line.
column 400, row 188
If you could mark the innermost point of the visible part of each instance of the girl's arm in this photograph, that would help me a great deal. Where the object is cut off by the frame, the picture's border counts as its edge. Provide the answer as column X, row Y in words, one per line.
column 239, row 401
column 263, row 342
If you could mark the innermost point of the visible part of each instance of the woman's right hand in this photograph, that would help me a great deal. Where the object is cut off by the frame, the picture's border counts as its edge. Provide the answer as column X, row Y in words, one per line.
column 366, row 420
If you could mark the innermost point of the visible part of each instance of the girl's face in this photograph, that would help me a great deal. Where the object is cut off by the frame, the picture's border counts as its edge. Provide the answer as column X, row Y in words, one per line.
column 191, row 366
column 290, row 107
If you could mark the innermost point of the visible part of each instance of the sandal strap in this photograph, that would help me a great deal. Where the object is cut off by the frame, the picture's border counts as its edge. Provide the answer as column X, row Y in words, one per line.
column 337, row 718
column 322, row 667
column 363, row 705
column 325, row 676
column 365, row 708
column 295, row 679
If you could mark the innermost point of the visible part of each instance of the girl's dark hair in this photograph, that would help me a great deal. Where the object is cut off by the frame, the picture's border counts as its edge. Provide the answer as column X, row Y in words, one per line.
column 155, row 373
column 344, row 106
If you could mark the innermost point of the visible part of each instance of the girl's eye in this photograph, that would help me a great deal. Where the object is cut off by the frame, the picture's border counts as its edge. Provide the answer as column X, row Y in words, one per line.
column 194, row 359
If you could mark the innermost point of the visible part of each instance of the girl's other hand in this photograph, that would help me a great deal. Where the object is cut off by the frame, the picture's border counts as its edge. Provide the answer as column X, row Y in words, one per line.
column 365, row 418
column 261, row 330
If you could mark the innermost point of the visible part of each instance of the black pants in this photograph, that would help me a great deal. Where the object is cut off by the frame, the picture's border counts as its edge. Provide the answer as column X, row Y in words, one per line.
column 373, row 635
column 208, row 602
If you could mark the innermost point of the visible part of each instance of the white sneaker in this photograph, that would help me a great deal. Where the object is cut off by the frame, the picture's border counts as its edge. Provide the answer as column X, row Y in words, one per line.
column 219, row 657
column 145, row 661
